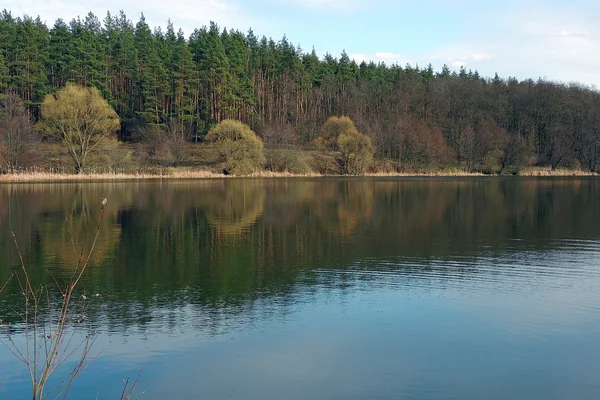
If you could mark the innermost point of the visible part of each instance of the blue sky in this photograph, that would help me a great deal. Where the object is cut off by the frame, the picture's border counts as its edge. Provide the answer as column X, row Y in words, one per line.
column 558, row 40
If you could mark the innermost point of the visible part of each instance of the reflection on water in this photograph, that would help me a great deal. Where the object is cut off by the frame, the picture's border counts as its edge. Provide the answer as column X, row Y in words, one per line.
column 327, row 288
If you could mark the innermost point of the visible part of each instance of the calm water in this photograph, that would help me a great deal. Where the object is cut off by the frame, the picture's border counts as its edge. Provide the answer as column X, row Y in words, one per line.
column 325, row 288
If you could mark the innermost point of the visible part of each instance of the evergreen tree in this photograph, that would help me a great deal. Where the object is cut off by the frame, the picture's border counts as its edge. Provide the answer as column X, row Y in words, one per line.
column 31, row 55
column 90, row 53
column 151, row 75
column 61, row 67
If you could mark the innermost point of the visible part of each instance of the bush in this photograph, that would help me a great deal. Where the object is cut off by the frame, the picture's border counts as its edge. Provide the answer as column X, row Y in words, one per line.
column 324, row 164
column 241, row 149
column 115, row 157
column 356, row 151
column 286, row 161
column 332, row 129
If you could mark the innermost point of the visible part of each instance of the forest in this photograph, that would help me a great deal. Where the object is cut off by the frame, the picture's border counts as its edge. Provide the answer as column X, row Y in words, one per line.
column 169, row 90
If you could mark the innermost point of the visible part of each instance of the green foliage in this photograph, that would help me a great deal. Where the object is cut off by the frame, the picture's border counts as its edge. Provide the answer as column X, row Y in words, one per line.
column 3, row 73
column 61, row 60
column 239, row 146
column 416, row 117
column 81, row 118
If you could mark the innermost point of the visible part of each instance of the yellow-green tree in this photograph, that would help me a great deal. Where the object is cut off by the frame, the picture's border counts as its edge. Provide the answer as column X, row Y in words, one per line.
column 356, row 149
column 81, row 118
column 238, row 145
column 333, row 128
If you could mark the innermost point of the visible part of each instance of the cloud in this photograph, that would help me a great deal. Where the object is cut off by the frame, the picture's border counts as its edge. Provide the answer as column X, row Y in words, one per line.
column 558, row 44
column 565, row 33
column 385, row 56
column 336, row 5
column 358, row 57
column 183, row 15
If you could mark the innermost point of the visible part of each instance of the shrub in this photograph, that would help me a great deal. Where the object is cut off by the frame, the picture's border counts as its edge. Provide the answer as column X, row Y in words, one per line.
column 332, row 129
column 286, row 161
column 241, row 149
column 356, row 151
column 324, row 164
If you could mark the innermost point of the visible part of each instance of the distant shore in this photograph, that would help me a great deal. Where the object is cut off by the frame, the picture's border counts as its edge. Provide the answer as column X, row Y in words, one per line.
column 191, row 174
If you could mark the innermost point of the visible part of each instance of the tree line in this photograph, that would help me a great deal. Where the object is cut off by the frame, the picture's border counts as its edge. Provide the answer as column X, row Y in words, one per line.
column 415, row 117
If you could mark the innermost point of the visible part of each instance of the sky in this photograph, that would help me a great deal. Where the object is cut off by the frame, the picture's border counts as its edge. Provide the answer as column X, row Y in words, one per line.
column 555, row 40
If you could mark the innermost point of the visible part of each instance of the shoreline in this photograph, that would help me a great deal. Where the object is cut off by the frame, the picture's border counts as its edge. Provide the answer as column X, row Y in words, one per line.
column 35, row 177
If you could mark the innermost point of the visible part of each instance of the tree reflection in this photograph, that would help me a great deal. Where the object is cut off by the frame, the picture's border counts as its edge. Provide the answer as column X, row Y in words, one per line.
column 223, row 244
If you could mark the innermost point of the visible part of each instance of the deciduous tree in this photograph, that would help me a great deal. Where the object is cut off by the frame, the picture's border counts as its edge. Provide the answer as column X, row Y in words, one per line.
column 17, row 138
column 238, row 145
column 81, row 118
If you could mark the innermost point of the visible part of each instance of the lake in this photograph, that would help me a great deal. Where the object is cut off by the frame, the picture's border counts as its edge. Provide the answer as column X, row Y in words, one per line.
column 357, row 288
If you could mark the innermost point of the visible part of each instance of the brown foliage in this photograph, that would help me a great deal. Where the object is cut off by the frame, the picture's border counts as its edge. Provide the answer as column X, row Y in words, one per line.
column 421, row 145
column 479, row 148
column 18, row 141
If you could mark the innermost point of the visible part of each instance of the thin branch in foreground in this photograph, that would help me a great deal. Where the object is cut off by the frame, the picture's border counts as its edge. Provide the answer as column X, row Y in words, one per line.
column 50, row 329
column 128, row 388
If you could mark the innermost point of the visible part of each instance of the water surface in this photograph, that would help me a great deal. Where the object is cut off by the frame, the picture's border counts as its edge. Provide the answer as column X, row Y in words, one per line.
column 324, row 288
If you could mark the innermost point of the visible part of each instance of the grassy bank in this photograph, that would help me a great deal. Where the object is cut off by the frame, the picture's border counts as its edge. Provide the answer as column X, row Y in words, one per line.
column 186, row 173
column 120, row 161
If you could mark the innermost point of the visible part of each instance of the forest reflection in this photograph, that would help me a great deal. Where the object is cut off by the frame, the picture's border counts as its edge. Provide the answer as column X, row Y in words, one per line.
column 223, row 245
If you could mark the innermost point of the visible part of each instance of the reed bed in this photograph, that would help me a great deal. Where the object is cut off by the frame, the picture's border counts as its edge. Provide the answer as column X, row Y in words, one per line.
column 540, row 171
column 190, row 174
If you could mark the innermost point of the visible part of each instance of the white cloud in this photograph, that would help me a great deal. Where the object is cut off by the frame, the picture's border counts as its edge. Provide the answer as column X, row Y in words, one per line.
column 182, row 13
column 478, row 57
column 358, row 57
column 558, row 44
column 565, row 33
column 385, row 55
column 336, row 5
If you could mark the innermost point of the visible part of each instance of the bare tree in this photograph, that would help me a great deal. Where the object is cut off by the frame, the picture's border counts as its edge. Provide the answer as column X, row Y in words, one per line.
column 17, row 137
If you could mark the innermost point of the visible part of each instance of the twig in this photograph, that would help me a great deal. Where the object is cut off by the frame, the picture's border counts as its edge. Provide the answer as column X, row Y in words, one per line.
column 48, row 345
column 129, row 389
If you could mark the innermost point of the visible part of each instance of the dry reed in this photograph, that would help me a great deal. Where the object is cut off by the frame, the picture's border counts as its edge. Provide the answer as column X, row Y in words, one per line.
column 191, row 174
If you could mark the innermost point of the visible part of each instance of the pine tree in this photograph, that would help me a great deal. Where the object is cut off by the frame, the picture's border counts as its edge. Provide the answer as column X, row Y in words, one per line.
column 151, row 75
column 28, row 75
column 90, row 53
column 61, row 67
column 123, row 65
column 186, row 80
column 3, row 73
column 214, row 74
